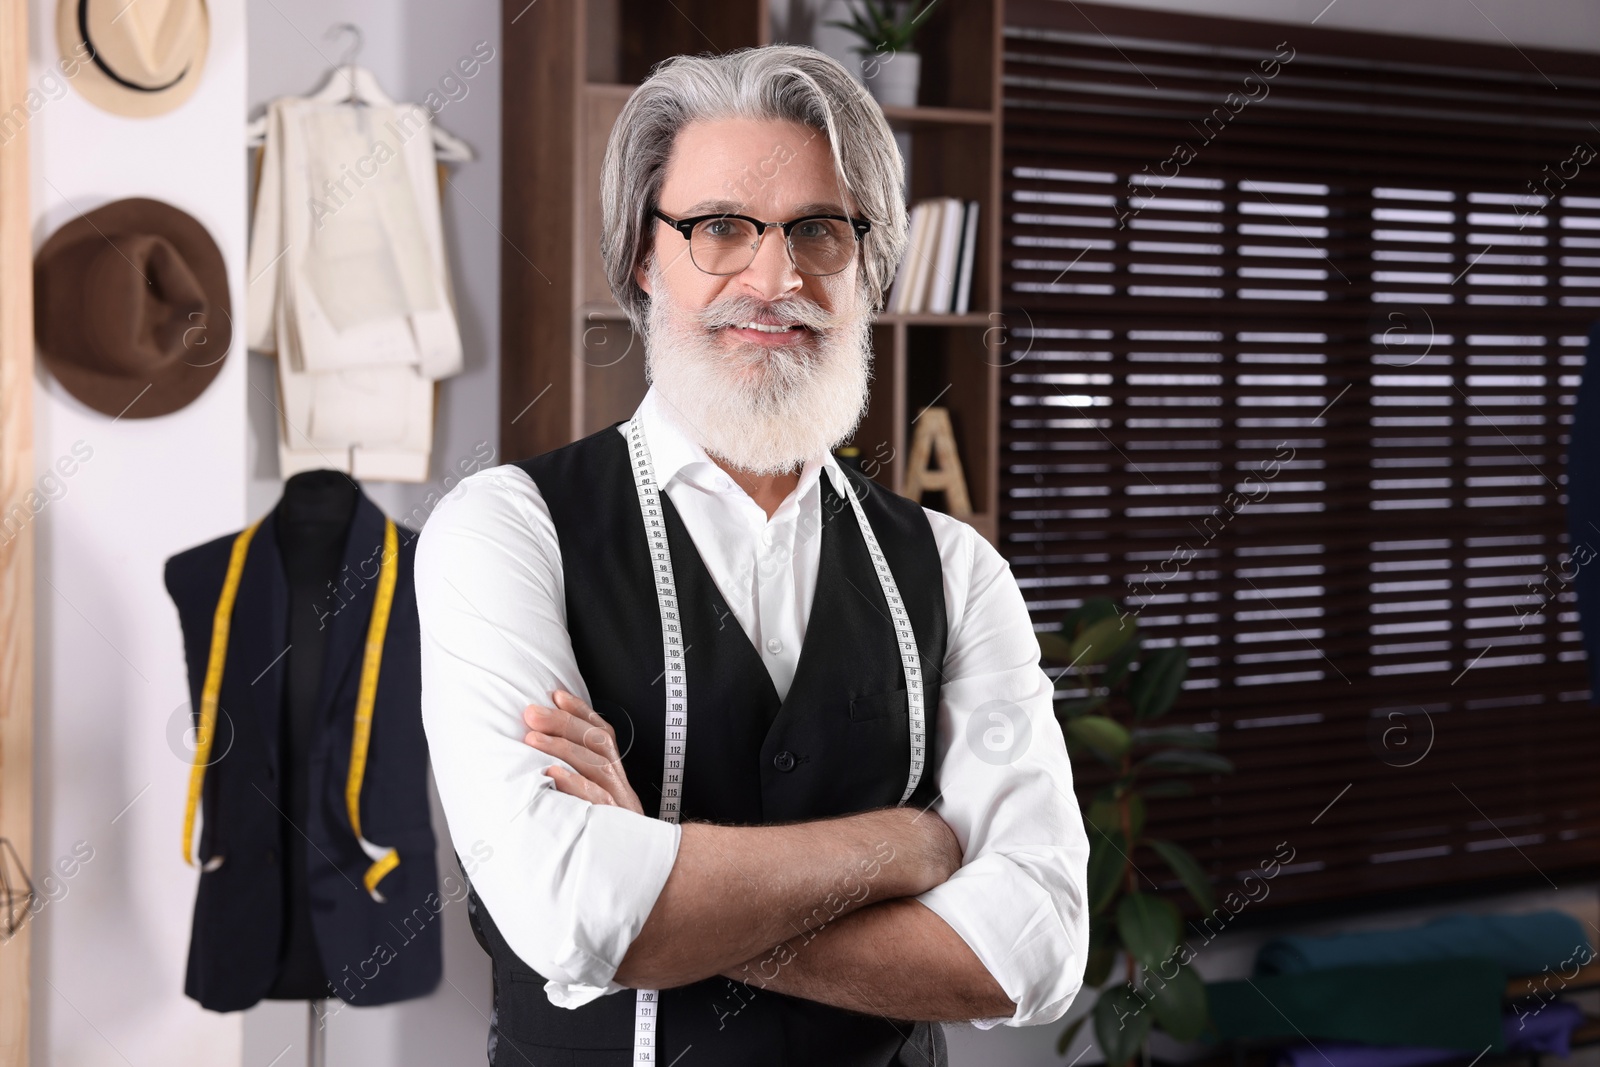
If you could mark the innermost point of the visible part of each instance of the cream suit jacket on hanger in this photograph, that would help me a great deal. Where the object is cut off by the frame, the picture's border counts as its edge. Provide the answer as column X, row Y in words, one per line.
column 349, row 286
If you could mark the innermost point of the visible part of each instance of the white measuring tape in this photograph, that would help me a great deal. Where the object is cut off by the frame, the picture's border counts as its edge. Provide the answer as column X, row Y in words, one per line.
column 647, row 1001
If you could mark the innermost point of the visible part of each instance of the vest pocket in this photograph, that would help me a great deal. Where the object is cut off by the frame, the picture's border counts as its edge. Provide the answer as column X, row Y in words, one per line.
column 879, row 705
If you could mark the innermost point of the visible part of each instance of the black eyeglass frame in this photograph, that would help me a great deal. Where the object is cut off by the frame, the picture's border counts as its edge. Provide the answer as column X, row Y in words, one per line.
column 858, row 226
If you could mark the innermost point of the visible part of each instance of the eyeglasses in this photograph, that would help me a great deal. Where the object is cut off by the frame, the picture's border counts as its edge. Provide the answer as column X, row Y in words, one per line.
column 819, row 245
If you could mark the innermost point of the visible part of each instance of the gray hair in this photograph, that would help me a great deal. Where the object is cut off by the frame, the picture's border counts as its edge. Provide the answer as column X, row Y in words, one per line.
column 778, row 82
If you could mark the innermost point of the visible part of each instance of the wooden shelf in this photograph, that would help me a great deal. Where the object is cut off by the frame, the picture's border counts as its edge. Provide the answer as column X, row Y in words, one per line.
column 1539, row 985
column 934, row 318
column 917, row 117
column 607, row 310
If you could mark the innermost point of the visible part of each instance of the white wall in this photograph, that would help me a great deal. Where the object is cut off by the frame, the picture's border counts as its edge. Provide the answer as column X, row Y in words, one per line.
column 109, row 953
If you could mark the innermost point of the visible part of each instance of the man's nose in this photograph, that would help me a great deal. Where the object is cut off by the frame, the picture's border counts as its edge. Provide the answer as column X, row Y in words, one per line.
column 772, row 272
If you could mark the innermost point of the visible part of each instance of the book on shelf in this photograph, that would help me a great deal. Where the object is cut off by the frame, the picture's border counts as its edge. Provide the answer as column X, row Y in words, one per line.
column 935, row 276
column 969, row 251
column 902, row 274
column 941, row 287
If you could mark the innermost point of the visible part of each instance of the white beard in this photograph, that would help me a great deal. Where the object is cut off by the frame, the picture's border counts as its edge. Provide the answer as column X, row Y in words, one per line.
column 765, row 410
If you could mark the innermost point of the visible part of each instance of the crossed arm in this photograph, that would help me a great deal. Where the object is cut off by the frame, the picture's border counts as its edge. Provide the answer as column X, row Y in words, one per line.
column 916, row 939
column 818, row 910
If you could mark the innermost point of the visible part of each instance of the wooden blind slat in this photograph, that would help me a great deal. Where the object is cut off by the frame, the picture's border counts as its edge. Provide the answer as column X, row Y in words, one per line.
column 1381, row 275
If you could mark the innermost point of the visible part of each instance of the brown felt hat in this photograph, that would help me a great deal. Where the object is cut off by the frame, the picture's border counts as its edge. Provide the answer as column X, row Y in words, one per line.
column 131, row 310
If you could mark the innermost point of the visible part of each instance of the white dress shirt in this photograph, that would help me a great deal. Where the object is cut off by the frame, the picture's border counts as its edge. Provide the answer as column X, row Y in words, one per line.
column 570, row 883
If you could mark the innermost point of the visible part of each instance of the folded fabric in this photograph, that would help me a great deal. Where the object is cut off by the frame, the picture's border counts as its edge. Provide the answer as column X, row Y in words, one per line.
column 1521, row 944
column 1548, row 1029
column 1454, row 1004
column 1544, row 1027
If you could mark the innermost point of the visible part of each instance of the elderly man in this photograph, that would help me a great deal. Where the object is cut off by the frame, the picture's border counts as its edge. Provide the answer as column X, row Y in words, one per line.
column 757, row 757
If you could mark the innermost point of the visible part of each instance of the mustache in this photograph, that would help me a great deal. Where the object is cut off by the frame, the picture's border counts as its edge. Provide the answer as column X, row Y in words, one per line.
column 807, row 313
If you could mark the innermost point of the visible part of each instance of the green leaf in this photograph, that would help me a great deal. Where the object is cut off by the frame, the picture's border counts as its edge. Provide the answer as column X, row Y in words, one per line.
column 1121, row 1024
column 1185, row 762
column 880, row 29
column 1117, row 666
column 1155, row 686
column 1064, row 1042
column 1171, row 787
column 1087, row 614
column 1108, row 860
column 1106, row 737
column 1149, row 926
column 1103, row 948
column 1189, row 872
column 1182, row 736
column 1054, row 648
column 1107, row 815
column 1178, row 1003
column 1098, row 643
column 1073, row 708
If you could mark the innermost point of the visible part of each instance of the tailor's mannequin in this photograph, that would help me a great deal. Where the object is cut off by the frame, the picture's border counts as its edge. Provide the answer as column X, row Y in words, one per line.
column 313, row 525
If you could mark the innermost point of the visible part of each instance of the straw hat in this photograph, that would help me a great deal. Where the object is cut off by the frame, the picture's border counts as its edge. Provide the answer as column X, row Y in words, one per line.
column 138, row 57
column 131, row 308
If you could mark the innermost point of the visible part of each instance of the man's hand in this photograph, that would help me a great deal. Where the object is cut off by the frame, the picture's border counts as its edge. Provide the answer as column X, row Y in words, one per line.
column 575, row 732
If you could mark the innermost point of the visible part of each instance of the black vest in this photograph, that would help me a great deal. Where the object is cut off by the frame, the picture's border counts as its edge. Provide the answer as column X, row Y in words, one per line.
column 838, row 743
column 371, row 953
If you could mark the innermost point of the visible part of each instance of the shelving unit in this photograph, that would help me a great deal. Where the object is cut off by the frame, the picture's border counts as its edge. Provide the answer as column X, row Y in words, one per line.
column 570, row 364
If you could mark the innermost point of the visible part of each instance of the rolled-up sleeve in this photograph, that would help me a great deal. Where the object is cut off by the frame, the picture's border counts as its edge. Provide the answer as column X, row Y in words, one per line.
column 569, row 883
column 1019, row 899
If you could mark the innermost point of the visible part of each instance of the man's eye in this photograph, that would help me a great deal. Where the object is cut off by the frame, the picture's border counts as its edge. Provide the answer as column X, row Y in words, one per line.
column 813, row 229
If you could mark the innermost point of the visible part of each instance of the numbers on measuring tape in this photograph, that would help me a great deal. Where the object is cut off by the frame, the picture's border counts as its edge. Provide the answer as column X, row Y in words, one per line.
column 645, row 1015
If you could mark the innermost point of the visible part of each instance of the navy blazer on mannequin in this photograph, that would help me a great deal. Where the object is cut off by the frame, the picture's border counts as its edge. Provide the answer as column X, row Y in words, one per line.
column 372, row 953
column 1583, row 508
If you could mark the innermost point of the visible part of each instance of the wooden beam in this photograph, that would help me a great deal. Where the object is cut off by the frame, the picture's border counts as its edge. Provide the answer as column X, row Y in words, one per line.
column 544, row 54
column 16, row 554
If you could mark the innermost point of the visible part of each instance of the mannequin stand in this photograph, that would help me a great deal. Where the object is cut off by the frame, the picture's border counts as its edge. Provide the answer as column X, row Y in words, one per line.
column 316, row 1034
column 313, row 525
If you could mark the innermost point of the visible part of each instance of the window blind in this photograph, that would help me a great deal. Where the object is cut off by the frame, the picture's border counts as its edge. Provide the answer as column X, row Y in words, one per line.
column 1296, row 318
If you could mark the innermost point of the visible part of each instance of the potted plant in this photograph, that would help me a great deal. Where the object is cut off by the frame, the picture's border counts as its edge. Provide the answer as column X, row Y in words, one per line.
column 1125, row 691
column 889, row 68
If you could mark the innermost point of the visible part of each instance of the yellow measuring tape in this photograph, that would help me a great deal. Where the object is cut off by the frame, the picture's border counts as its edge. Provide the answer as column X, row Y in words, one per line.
column 384, row 859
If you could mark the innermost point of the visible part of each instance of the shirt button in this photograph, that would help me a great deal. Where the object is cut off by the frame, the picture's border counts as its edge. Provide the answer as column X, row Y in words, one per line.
column 784, row 761
column 774, row 645
column 766, row 536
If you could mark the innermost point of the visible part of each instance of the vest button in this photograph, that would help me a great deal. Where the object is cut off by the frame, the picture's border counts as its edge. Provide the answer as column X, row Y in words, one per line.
column 784, row 761
column 272, row 857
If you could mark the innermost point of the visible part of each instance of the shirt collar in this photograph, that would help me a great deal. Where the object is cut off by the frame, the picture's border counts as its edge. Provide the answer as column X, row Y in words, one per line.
column 674, row 454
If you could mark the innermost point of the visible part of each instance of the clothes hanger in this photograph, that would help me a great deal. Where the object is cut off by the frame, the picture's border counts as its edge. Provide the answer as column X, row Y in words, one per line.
column 350, row 83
